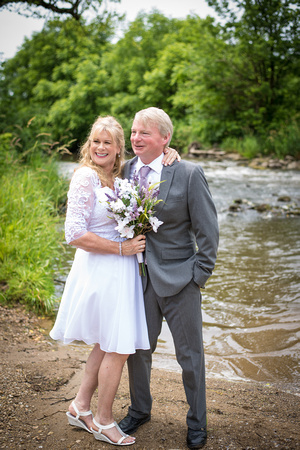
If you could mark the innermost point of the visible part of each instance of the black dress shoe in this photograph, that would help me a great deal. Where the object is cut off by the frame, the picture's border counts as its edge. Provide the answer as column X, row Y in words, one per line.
column 130, row 424
column 196, row 438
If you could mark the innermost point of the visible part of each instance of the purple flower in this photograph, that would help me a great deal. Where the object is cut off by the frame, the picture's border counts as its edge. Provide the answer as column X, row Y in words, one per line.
column 110, row 197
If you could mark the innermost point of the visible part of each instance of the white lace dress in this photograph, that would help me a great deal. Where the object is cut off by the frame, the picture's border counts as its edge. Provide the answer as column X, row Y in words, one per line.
column 103, row 298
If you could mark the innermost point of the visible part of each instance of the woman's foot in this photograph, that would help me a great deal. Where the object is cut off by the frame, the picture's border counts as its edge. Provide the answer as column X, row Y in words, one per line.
column 79, row 417
column 113, row 433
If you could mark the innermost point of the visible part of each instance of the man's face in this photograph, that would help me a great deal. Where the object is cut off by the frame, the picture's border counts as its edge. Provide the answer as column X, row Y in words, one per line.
column 146, row 141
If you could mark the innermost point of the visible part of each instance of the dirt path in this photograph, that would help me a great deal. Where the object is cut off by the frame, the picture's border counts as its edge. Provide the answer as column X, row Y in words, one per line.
column 38, row 379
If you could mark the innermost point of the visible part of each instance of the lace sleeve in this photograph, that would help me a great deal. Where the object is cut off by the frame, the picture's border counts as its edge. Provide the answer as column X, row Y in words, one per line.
column 80, row 203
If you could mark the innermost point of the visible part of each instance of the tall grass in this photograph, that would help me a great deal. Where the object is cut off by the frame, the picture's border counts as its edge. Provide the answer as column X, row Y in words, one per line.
column 249, row 146
column 285, row 141
column 31, row 235
column 280, row 143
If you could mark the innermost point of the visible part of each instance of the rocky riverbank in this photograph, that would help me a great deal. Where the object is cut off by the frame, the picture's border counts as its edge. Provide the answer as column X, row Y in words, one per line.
column 281, row 207
column 39, row 379
column 288, row 163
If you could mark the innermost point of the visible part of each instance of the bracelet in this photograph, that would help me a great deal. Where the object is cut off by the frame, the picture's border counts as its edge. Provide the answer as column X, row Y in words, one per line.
column 120, row 249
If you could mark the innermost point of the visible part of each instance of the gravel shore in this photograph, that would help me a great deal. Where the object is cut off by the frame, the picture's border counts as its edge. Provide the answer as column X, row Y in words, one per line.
column 39, row 379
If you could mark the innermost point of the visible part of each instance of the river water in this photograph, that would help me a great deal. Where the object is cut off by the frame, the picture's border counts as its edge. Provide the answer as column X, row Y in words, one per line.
column 251, row 304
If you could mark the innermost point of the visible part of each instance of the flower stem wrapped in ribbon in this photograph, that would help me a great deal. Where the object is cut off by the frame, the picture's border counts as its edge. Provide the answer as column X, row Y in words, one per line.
column 132, row 206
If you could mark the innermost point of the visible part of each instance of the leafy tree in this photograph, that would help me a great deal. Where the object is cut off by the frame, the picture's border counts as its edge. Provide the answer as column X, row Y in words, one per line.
column 128, row 62
column 175, row 80
column 265, row 64
column 214, row 80
column 201, row 89
column 73, row 8
column 48, row 71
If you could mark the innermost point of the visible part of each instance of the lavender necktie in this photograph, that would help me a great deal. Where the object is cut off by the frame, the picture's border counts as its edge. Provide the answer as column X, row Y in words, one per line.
column 143, row 173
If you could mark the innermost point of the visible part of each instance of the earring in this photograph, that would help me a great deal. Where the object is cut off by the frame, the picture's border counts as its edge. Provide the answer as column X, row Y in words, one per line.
column 118, row 154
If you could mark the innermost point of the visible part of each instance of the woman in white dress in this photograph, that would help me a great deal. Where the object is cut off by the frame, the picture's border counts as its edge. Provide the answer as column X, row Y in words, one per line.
column 102, row 303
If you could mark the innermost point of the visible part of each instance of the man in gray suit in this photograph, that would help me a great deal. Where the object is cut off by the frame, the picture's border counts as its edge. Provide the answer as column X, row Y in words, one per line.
column 180, row 258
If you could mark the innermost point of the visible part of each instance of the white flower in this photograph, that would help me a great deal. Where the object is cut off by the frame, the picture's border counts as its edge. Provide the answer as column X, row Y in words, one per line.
column 125, row 187
column 126, row 232
column 118, row 206
column 123, row 221
column 155, row 223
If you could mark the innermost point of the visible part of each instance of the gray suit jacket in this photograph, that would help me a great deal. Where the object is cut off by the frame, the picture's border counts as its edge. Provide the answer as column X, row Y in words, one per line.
column 185, row 246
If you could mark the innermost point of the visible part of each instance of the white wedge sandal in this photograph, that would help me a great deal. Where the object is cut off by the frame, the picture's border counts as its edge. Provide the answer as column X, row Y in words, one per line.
column 101, row 437
column 75, row 421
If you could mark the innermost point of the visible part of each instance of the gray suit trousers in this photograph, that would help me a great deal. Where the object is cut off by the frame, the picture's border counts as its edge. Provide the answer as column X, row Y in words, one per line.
column 183, row 315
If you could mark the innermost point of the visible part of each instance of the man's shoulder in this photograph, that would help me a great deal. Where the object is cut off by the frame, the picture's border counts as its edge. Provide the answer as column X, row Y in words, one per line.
column 130, row 161
column 187, row 166
column 127, row 162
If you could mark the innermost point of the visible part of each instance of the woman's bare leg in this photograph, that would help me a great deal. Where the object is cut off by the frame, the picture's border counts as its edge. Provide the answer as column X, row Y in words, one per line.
column 89, row 384
column 108, row 382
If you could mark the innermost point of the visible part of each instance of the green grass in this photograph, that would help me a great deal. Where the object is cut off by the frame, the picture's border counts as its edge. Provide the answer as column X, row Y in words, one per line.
column 249, row 146
column 285, row 141
column 31, row 234
column 280, row 143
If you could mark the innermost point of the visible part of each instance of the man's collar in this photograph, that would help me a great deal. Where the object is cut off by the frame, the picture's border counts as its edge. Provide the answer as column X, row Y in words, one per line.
column 155, row 165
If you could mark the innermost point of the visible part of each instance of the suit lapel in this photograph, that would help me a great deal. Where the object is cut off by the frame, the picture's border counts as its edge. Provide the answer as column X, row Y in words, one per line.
column 127, row 168
column 166, row 180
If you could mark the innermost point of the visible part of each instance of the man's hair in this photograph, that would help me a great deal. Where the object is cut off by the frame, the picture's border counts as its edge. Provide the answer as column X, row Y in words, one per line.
column 158, row 117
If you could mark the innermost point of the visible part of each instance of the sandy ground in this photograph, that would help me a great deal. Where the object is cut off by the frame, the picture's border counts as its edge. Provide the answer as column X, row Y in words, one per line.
column 39, row 379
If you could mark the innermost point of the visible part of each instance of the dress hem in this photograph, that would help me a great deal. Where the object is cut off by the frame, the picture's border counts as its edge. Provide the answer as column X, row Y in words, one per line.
column 78, row 342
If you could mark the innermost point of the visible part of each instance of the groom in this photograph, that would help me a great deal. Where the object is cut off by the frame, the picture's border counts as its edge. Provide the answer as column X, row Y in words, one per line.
column 180, row 258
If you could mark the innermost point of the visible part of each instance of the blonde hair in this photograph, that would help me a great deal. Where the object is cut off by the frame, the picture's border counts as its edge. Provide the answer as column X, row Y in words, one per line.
column 111, row 126
column 156, row 117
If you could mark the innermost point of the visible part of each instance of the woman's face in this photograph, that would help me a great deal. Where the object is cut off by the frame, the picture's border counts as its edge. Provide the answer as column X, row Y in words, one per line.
column 103, row 150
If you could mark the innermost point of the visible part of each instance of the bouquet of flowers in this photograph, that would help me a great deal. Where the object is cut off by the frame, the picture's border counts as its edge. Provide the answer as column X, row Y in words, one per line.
column 132, row 206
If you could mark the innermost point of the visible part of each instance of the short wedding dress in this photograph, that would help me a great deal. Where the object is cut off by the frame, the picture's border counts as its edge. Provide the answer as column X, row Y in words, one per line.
column 103, row 298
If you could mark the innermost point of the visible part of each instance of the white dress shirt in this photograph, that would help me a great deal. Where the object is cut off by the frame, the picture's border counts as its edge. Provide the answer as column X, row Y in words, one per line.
column 155, row 166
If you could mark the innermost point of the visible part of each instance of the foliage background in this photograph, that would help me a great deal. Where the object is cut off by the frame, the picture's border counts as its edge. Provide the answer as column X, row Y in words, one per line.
column 233, row 83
